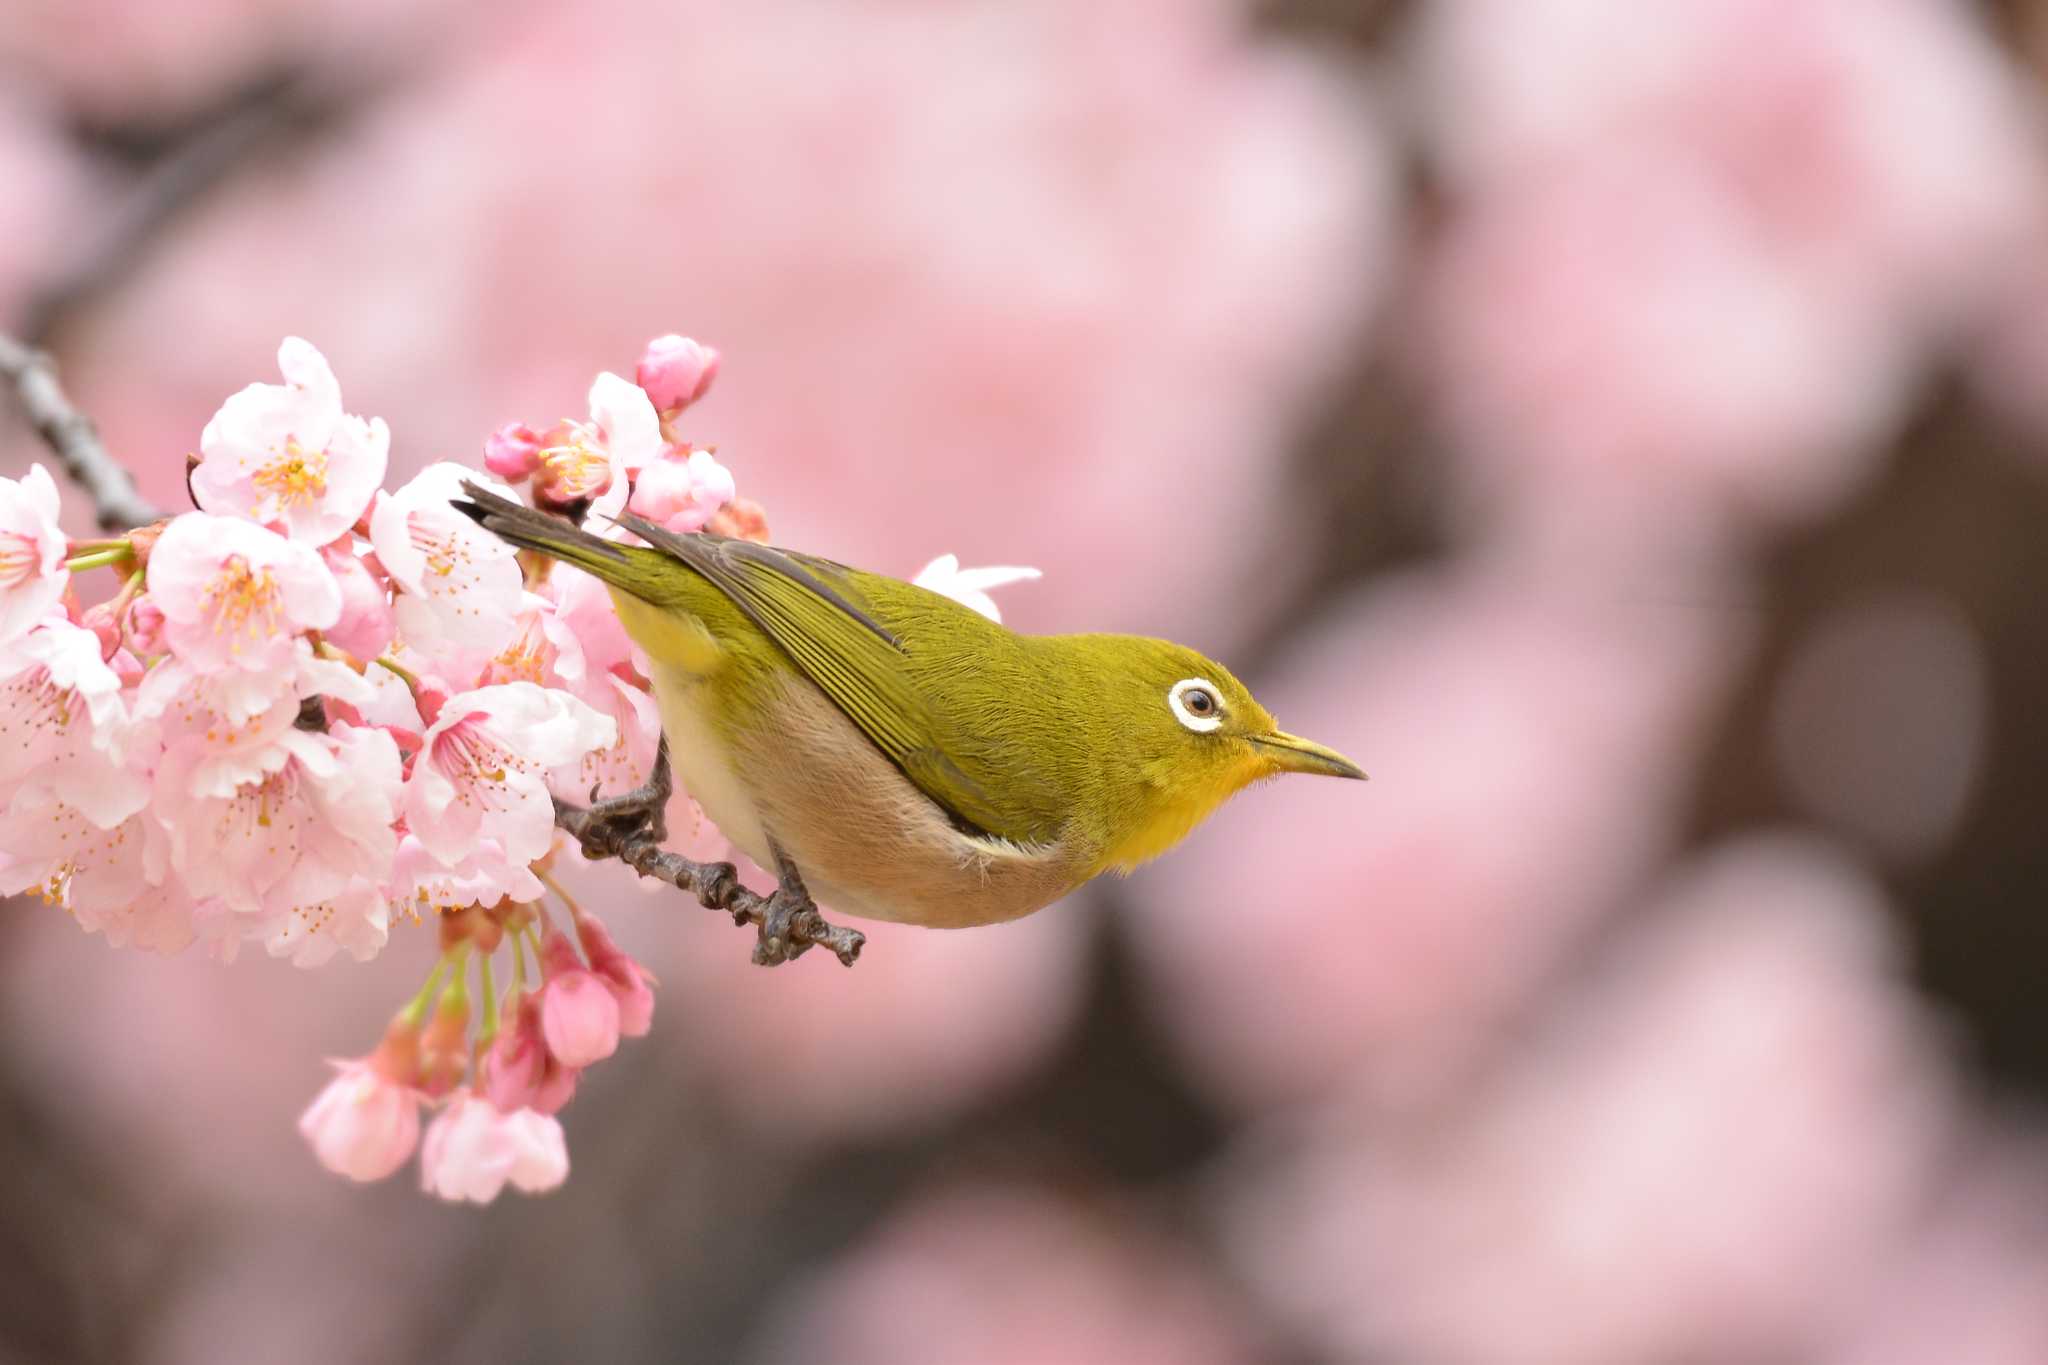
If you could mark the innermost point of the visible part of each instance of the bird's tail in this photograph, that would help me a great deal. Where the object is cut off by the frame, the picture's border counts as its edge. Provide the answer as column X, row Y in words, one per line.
column 622, row 566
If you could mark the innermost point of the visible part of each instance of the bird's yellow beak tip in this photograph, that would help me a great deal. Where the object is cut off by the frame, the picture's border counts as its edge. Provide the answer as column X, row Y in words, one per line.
column 1293, row 754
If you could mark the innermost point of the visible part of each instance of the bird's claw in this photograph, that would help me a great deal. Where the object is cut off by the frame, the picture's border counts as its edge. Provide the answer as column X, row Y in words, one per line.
column 778, row 941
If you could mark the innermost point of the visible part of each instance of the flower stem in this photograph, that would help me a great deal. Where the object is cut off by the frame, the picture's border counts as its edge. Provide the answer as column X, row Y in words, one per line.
column 487, row 1004
column 99, row 558
column 405, row 675
column 415, row 1011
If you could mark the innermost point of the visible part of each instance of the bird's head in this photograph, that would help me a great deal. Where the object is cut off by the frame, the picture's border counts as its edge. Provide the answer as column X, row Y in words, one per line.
column 1193, row 735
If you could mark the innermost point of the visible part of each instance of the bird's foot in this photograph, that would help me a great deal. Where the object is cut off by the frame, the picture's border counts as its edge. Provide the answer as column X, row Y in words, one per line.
column 790, row 922
column 607, row 828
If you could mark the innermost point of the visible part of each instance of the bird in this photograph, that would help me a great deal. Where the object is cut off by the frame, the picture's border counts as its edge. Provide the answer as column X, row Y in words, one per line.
column 897, row 755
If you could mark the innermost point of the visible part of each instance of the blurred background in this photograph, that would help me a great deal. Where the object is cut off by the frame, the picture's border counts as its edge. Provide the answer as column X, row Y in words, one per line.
column 1619, row 426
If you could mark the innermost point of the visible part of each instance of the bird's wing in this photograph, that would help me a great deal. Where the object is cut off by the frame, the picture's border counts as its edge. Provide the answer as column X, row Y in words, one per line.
column 801, row 603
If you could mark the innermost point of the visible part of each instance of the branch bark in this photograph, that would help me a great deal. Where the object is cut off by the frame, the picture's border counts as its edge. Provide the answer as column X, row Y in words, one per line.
column 72, row 438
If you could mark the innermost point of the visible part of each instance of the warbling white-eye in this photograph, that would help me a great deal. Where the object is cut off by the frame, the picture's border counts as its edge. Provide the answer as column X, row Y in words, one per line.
column 897, row 753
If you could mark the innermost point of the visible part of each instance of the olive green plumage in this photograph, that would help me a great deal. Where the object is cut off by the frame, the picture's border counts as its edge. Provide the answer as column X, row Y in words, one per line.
column 1064, row 743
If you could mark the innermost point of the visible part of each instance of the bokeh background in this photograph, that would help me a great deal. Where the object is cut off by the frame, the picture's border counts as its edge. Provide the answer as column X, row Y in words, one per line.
column 1620, row 426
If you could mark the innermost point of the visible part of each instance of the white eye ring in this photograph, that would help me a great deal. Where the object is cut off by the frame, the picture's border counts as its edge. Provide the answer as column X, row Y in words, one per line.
column 1176, row 698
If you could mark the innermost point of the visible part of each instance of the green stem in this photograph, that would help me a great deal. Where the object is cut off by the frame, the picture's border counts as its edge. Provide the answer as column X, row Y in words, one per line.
column 415, row 1011
column 99, row 558
column 405, row 675
column 487, row 1005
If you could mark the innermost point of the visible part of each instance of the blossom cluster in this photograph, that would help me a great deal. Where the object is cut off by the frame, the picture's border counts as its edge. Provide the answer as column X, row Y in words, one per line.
column 311, row 707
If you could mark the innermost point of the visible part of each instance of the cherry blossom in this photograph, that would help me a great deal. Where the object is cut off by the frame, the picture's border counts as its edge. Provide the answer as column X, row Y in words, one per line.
column 32, row 575
column 234, row 595
column 970, row 587
column 682, row 490
column 481, row 769
column 287, row 455
column 457, row 581
column 472, row 1150
column 365, row 1124
column 63, row 725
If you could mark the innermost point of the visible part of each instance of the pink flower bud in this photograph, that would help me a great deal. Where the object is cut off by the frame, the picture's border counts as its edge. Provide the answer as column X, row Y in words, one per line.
column 578, row 1016
column 676, row 371
column 631, row 984
column 474, row 1149
column 146, row 626
column 364, row 1124
column 99, row 619
column 513, row 1067
column 682, row 490
column 512, row 452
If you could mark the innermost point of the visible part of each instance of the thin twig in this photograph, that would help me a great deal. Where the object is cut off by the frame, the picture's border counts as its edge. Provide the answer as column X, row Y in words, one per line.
column 70, row 435
column 715, row 885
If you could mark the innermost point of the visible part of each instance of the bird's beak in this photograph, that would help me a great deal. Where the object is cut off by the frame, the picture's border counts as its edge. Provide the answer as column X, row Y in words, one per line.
column 1293, row 754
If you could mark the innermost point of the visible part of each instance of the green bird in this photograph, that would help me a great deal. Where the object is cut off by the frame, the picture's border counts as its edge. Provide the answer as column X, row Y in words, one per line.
column 900, row 755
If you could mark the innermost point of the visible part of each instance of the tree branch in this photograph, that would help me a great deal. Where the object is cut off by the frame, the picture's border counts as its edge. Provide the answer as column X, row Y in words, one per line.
column 70, row 435
column 631, row 828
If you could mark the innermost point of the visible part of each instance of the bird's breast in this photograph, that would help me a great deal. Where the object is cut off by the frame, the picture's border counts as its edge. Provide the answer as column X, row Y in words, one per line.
column 791, row 771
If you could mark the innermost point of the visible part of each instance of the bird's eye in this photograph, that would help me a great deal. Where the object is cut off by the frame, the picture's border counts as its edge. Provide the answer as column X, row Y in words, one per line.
column 1195, row 704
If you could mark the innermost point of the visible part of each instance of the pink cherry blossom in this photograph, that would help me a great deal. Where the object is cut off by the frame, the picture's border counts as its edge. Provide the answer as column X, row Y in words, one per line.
column 676, row 371
column 54, row 850
column 472, row 1150
column 482, row 769
column 287, row 455
column 579, row 1015
column 512, row 452
column 970, row 587
column 364, row 1124
column 682, row 490
column 422, row 885
column 32, row 575
column 234, row 595
column 355, row 920
column 64, row 725
column 458, row 581
column 307, row 813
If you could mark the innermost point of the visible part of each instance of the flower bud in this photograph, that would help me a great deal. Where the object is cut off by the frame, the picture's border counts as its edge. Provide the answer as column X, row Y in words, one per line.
column 363, row 1124
column 630, row 983
column 99, row 619
column 517, row 1059
column 146, row 627
column 512, row 452
column 367, row 625
column 579, row 1017
column 676, row 371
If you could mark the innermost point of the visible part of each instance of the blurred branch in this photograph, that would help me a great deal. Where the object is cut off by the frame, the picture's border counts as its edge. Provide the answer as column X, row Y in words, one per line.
column 70, row 435
column 631, row 828
column 275, row 114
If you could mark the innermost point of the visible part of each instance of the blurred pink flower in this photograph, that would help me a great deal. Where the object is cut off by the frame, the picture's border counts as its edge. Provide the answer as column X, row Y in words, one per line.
column 676, row 371
column 32, row 551
column 1703, row 1153
column 235, row 596
column 1699, row 249
column 1079, row 1285
column 367, row 624
column 287, row 454
column 519, row 1072
column 928, row 1022
column 365, row 1124
column 472, row 1151
column 631, row 984
column 1529, row 742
